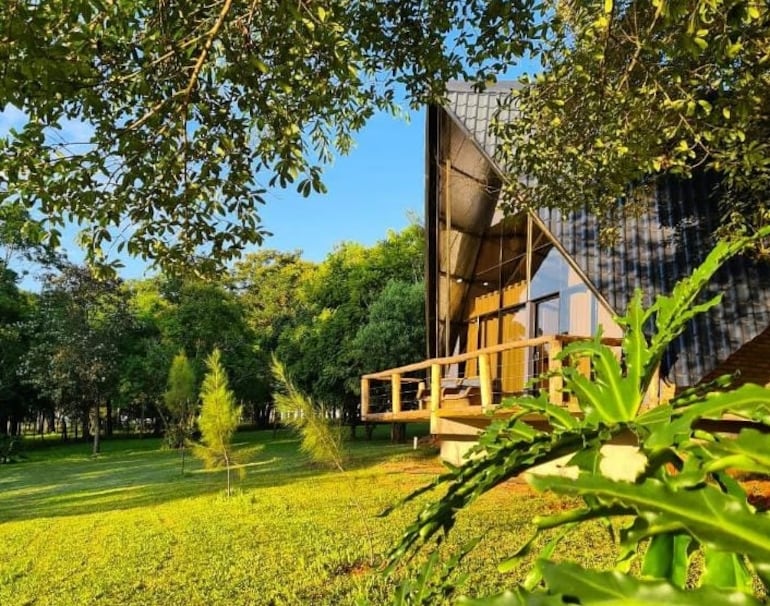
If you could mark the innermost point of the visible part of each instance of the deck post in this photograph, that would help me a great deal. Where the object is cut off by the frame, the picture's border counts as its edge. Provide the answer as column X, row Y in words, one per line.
column 435, row 396
column 395, row 384
column 364, row 398
column 485, row 379
column 555, row 382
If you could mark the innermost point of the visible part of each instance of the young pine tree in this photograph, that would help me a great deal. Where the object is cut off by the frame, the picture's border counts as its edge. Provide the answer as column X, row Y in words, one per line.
column 219, row 418
column 321, row 437
column 180, row 402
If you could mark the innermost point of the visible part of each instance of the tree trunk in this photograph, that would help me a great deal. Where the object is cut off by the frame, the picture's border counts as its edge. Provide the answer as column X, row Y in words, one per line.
column 3, row 425
column 351, row 411
column 85, row 422
column 63, row 429
column 96, row 431
column 227, row 464
column 398, row 433
column 108, row 426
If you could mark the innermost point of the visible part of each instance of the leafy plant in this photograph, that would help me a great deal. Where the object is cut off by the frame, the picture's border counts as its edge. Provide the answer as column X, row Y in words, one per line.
column 219, row 418
column 180, row 401
column 321, row 438
column 681, row 499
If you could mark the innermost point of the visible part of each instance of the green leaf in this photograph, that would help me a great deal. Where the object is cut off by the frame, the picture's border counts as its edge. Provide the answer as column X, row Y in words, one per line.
column 715, row 519
column 509, row 457
column 675, row 311
column 517, row 597
column 668, row 557
column 609, row 588
column 749, row 401
column 635, row 350
column 726, row 571
column 557, row 416
column 749, row 451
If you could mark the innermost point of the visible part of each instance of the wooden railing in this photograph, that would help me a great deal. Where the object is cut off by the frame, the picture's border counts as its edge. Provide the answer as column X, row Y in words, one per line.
column 439, row 382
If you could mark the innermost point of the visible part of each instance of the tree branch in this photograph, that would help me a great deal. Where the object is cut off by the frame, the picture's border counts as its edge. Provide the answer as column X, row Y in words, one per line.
column 212, row 34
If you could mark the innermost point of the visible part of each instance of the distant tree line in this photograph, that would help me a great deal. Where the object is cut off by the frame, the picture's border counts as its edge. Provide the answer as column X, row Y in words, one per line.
column 86, row 354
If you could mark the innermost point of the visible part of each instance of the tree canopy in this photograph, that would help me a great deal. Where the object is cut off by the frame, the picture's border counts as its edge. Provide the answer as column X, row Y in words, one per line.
column 629, row 90
column 159, row 125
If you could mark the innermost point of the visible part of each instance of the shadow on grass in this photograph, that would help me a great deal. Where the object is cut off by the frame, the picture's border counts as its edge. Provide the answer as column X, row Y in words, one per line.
column 128, row 475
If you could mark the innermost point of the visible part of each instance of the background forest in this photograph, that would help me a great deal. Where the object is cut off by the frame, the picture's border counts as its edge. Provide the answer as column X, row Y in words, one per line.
column 83, row 345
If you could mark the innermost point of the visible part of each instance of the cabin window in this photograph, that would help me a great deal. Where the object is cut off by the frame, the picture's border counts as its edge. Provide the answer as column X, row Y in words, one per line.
column 548, row 316
column 523, row 287
column 550, row 272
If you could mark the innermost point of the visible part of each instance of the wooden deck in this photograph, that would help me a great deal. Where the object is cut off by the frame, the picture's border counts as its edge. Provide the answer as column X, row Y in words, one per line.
column 406, row 394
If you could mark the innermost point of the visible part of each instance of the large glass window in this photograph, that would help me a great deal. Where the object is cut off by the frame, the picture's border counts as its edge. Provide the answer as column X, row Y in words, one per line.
column 569, row 305
column 550, row 272
column 547, row 316
column 555, row 301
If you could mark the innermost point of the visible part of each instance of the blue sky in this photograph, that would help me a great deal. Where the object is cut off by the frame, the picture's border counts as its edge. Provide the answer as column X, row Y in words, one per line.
column 370, row 191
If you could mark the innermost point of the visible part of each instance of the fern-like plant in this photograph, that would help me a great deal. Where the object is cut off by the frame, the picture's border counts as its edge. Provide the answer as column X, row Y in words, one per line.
column 680, row 502
column 321, row 438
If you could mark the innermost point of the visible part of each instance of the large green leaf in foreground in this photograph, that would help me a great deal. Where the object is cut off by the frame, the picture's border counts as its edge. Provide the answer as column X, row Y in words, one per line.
column 571, row 584
column 713, row 517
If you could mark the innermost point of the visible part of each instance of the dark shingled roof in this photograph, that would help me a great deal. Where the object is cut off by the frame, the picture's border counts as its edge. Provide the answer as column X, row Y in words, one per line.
column 476, row 110
column 655, row 251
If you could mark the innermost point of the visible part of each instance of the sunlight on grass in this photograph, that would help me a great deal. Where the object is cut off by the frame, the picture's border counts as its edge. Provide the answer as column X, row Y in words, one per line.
column 128, row 528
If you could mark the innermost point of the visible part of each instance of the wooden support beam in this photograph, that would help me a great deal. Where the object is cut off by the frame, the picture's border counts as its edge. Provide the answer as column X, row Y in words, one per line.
column 435, row 396
column 556, row 382
column 485, row 380
column 395, row 384
column 364, row 397
column 447, row 256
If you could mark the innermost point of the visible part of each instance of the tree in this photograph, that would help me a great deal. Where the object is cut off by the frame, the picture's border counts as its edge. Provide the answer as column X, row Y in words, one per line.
column 143, row 374
column 267, row 285
column 15, row 310
column 218, row 419
column 180, row 402
column 321, row 438
column 158, row 124
column 78, row 344
column 319, row 350
column 633, row 89
column 394, row 334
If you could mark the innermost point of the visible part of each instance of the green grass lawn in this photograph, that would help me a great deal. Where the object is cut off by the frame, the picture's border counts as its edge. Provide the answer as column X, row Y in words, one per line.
column 128, row 528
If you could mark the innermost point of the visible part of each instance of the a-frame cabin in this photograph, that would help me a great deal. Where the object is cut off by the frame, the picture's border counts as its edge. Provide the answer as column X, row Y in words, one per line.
column 504, row 293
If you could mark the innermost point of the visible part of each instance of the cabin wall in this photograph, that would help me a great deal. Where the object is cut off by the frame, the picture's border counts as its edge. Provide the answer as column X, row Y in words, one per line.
column 555, row 300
